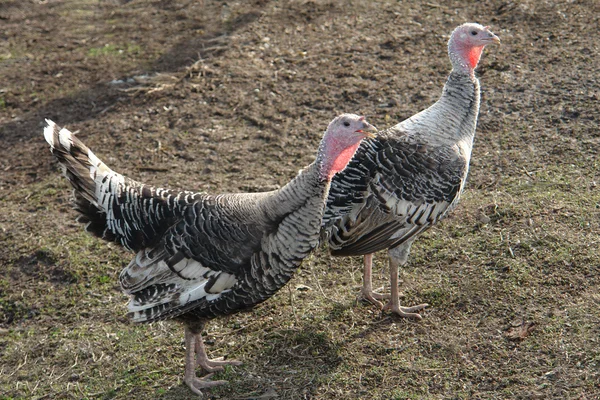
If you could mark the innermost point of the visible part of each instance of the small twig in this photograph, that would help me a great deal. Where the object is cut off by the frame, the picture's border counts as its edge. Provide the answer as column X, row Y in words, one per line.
column 312, row 270
column 35, row 387
column 292, row 303
column 528, row 173
column 134, row 89
column 478, row 324
column 510, row 250
column 153, row 169
column 381, row 321
column 24, row 167
column 20, row 366
column 107, row 109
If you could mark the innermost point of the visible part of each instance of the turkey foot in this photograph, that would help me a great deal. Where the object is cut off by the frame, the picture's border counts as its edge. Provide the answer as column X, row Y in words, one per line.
column 195, row 354
column 405, row 312
column 215, row 365
column 207, row 364
column 196, row 384
column 372, row 297
column 394, row 303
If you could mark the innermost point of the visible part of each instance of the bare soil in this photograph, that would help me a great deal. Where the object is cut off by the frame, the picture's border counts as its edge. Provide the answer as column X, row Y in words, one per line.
column 224, row 96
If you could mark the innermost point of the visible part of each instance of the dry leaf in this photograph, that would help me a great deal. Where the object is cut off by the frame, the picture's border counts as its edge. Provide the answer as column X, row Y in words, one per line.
column 520, row 332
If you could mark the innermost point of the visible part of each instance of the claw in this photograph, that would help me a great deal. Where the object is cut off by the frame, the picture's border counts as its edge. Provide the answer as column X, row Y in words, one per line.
column 374, row 297
column 195, row 355
column 196, row 384
column 215, row 365
column 206, row 363
column 406, row 312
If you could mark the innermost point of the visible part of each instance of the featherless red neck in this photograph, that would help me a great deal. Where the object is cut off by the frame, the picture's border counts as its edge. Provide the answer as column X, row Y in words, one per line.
column 473, row 56
column 340, row 142
column 466, row 45
column 340, row 161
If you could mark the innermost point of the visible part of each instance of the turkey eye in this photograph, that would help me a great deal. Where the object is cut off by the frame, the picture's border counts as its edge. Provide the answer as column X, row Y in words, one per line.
column 346, row 123
column 473, row 33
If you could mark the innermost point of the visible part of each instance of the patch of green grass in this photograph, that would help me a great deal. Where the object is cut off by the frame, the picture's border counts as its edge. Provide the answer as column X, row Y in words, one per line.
column 134, row 49
column 104, row 279
column 14, row 52
column 107, row 49
column 435, row 297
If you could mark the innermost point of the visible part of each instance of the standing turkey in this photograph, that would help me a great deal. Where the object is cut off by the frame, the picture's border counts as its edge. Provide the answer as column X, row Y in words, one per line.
column 201, row 256
column 412, row 175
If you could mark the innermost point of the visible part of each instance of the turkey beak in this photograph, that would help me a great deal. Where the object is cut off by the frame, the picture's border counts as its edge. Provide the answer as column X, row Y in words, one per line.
column 368, row 130
column 493, row 38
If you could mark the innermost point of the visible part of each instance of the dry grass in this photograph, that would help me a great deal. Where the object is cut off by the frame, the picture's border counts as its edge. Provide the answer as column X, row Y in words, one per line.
column 512, row 276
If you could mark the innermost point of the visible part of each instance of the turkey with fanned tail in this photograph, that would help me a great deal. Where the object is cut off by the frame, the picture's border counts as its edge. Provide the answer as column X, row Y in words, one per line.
column 412, row 175
column 201, row 256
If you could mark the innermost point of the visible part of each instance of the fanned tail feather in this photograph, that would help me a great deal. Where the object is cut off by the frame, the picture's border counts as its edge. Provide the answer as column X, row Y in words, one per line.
column 112, row 206
column 86, row 173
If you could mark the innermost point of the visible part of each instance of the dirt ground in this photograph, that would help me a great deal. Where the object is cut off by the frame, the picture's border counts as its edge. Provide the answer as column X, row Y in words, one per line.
column 226, row 96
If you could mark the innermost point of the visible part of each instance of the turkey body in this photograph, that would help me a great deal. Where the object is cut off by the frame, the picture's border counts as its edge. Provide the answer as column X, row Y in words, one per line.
column 409, row 177
column 226, row 252
column 200, row 256
column 406, row 179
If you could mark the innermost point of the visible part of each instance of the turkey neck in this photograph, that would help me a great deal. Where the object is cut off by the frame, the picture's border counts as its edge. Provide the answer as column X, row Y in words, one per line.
column 297, row 210
column 453, row 118
column 307, row 184
column 292, row 218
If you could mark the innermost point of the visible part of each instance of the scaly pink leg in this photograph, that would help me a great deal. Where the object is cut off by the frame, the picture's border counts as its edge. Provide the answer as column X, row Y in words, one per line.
column 207, row 364
column 367, row 289
column 195, row 383
column 394, row 303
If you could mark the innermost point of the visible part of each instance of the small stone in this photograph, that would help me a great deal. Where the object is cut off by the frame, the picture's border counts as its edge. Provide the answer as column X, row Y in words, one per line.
column 484, row 219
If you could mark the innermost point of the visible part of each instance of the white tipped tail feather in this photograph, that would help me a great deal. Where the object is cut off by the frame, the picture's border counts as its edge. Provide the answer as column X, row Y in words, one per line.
column 95, row 185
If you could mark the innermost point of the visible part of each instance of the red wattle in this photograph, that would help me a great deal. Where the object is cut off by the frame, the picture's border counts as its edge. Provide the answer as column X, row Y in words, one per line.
column 343, row 159
column 474, row 55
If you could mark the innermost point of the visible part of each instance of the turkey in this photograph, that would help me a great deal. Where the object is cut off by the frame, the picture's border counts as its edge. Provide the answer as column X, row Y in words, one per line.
column 411, row 176
column 200, row 256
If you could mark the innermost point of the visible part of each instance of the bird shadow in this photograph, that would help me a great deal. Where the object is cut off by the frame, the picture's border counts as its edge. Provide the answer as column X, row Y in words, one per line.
column 285, row 363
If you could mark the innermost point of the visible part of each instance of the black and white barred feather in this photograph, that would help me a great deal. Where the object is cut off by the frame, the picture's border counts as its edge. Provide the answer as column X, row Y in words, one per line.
column 406, row 179
column 198, row 256
column 112, row 206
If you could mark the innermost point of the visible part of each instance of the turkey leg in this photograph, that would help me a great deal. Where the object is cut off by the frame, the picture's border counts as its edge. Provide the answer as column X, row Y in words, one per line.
column 207, row 364
column 367, row 289
column 399, row 257
column 192, row 355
